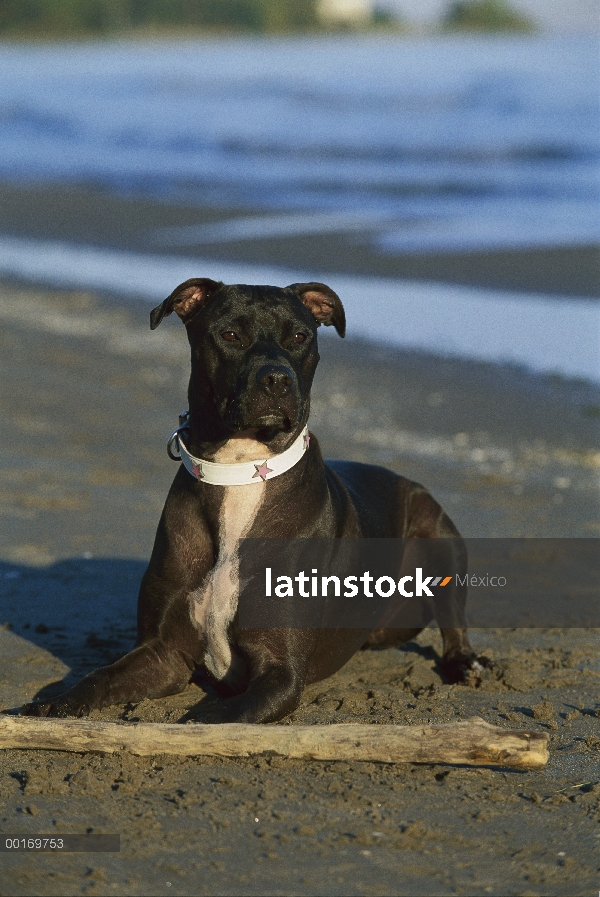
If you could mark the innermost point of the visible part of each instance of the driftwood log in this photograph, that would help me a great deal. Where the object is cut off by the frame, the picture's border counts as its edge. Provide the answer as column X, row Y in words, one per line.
column 472, row 742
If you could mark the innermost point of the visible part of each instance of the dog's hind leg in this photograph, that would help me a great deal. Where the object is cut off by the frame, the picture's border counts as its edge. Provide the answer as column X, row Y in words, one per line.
column 391, row 638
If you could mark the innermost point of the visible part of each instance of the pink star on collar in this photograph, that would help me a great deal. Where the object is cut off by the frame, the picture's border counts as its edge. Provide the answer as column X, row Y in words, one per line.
column 262, row 471
column 197, row 471
column 306, row 440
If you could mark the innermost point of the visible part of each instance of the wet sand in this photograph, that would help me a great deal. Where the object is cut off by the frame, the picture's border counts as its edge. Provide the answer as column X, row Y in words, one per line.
column 89, row 215
column 90, row 395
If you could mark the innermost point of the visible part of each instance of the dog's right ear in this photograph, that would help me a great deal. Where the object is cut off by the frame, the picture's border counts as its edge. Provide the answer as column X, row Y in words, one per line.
column 185, row 300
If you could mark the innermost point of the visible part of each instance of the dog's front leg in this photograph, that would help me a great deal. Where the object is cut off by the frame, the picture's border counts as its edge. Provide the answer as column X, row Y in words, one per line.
column 268, row 698
column 153, row 670
column 167, row 648
column 278, row 661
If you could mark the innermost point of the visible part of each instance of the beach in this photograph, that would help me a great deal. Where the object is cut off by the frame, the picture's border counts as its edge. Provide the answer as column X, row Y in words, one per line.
column 526, row 306
column 76, row 213
column 92, row 396
column 446, row 188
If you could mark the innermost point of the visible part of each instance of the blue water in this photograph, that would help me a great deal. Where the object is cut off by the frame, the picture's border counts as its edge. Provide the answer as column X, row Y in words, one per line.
column 550, row 334
column 449, row 142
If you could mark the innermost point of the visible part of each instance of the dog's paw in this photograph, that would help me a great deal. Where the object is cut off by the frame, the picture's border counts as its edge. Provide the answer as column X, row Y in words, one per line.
column 203, row 716
column 466, row 669
column 58, row 708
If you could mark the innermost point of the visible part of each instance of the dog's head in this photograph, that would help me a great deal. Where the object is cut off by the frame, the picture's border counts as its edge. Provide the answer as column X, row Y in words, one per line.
column 254, row 354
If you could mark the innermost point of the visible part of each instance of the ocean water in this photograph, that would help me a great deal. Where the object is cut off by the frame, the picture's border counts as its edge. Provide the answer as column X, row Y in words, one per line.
column 448, row 142
column 548, row 334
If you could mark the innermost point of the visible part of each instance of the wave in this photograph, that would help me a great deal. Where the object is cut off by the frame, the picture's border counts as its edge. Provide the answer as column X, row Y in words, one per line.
column 418, row 129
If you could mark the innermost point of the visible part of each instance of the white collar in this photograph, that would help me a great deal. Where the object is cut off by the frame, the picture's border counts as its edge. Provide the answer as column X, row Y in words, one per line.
column 240, row 474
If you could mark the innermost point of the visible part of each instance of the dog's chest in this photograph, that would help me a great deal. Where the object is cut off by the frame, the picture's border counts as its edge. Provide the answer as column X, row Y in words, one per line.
column 214, row 605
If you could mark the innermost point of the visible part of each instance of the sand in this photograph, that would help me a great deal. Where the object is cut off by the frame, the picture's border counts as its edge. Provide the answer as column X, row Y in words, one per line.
column 89, row 396
column 83, row 213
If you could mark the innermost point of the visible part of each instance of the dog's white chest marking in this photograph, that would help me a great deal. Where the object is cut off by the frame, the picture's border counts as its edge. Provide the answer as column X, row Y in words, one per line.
column 215, row 603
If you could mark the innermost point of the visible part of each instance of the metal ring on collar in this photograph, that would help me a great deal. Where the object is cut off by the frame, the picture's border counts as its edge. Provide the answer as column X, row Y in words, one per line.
column 174, row 437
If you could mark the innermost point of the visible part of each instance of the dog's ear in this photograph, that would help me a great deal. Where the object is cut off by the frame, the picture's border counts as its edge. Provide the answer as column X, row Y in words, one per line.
column 324, row 305
column 185, row 300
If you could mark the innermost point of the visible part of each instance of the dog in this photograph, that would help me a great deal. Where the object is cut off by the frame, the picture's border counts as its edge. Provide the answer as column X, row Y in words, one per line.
column 251, row 468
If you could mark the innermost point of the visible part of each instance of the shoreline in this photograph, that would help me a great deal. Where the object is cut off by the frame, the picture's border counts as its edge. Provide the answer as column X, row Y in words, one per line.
column 538, row 308
column 100, row 217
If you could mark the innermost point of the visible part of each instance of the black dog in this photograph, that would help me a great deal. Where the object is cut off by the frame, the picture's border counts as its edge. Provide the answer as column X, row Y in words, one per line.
column 253, row 358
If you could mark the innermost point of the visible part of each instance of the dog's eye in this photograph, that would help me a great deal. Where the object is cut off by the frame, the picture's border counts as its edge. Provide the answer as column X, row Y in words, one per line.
column 299, row 337
column 230, row 336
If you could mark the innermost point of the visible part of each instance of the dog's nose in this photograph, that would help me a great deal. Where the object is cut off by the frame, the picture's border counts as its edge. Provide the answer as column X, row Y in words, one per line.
column 275, row 380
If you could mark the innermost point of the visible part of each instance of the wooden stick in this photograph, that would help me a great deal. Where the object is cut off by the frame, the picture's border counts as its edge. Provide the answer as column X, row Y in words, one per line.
column 472, row 742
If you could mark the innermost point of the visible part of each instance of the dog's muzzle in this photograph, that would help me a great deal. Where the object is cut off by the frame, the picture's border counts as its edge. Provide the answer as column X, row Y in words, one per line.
column 275, row 380
column 268, row 398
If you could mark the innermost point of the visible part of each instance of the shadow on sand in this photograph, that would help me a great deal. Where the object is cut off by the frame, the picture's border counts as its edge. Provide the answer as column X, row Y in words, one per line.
column 83, row 612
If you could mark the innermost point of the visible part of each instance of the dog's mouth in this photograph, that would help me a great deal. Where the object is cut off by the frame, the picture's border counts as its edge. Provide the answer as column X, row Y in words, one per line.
column 264, row 428
column 265, row 421
column 276, row 420
column 268, row 416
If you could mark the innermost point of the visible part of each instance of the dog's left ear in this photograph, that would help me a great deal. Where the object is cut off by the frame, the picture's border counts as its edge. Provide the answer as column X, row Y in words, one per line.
column 324, row 305
column 185, row 300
